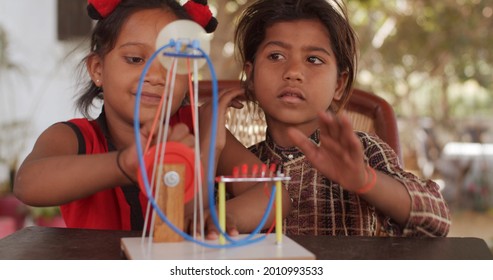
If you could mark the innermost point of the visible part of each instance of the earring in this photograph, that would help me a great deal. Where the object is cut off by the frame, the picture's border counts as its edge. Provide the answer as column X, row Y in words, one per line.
column 97, row 83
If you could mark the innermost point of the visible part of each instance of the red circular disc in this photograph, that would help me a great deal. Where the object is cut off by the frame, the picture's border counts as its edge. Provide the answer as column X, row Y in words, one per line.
column 176, row 153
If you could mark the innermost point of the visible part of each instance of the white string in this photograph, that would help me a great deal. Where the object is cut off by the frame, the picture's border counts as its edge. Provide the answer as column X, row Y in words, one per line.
column 198, row 164
column 165, row 93
column 162, row 136
column 150, row 211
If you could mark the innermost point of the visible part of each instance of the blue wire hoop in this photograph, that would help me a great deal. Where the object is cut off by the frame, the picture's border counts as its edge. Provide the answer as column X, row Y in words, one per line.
column 180, row 48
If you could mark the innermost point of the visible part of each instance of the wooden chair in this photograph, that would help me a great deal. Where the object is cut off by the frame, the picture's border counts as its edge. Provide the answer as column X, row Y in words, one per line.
column 368, row 113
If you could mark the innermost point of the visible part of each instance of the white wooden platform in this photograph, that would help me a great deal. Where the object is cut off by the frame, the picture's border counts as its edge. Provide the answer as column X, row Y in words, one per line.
column 186, row 250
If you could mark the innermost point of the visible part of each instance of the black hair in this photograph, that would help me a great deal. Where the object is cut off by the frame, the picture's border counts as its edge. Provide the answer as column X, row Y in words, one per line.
column 262, row 14
column 105, row 35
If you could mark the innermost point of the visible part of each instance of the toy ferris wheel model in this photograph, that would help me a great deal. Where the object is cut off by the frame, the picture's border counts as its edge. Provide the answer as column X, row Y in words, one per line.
column 170, row 173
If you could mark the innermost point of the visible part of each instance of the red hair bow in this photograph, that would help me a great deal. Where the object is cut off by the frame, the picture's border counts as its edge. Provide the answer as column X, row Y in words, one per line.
column 99, row 9
column 200, row 13
column 197, row 9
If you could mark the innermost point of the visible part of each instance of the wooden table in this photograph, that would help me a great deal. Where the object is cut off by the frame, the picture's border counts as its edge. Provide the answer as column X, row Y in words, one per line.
column 34, row 243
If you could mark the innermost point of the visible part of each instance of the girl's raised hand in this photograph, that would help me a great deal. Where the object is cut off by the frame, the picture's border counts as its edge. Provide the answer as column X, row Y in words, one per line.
column 227, row 98
column 340, row 155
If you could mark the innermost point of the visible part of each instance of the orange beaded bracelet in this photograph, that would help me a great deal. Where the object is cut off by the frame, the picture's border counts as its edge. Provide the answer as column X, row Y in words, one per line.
column 369, row 185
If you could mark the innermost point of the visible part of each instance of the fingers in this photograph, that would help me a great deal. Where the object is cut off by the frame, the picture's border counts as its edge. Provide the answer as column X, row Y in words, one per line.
column 231, row 98
column 145, row 132
column 145, row 129
column 231, row 229
column 212, row 234
column 338, row 129
column 235, row 103
column 353, row 144
column 301, row 141
column 211, row 231
column 180, row 133
column 177, row 133
column 330, row 126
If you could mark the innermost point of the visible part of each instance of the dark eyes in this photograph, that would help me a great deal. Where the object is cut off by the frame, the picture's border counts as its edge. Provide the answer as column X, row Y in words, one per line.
column 311, row 59
column 134, row 59
column 315, row 60
column 275, row 56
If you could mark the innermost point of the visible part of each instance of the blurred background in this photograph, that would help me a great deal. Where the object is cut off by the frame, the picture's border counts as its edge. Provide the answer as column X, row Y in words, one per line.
column 432, row 60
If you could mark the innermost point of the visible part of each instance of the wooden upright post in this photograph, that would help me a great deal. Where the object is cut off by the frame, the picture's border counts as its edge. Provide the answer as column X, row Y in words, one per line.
column 170, row 199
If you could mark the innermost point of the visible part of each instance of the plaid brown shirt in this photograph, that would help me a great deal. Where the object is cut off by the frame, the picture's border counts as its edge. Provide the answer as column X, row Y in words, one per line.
column 323, row 207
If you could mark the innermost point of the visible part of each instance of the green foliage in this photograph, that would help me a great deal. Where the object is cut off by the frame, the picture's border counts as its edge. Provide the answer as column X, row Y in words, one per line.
column 425, row 49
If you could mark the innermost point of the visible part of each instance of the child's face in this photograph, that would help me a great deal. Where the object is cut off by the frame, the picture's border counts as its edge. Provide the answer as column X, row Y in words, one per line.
column 122, row 66
column 295, row 74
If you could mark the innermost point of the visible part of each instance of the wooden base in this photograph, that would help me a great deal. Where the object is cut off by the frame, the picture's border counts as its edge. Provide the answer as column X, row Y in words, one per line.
column 134, row 248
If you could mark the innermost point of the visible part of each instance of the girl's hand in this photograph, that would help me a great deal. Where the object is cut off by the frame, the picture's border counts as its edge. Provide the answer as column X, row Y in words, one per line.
column 211, row 232
column 128, row 161
column 181, row 133
column 340, row 155
column 227, row 98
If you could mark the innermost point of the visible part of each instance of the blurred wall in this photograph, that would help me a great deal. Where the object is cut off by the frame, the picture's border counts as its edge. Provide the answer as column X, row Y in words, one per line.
column 41, row 89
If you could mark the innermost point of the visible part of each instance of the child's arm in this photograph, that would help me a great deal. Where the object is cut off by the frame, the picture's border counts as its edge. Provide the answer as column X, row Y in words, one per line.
column 340, row 157
column 429, row 214
column 53, row 173
column 250, row 200
column 394, row 189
